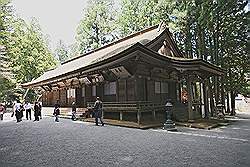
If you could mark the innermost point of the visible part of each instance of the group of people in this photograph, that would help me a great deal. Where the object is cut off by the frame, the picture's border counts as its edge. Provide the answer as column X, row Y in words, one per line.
column 97, row 111
column 56, row 112
column 19, row 108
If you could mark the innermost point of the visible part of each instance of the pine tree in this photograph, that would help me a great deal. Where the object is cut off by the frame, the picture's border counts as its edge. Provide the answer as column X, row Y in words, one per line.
column 97, row 25
column 61, row 52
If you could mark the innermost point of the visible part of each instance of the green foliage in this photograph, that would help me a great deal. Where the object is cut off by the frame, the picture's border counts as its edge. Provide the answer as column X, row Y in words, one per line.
column 24, row 53
column 136, row 15
column 6, row 75
column 73, row 51
column 97, row 25
column 232, row 42
column 216, row 31
column 28, row 52
column 61, row 52
column 6, row 12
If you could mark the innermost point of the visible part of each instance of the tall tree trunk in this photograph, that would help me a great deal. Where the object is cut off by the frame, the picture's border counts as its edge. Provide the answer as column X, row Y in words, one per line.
column 216, row 44
column 211, row 96
column 216, row 89
column 188, row 40
column 199, row 42
column 223, row 92
column 233, row 103
column 204, row 46
column 228, row 105
column 190, row 99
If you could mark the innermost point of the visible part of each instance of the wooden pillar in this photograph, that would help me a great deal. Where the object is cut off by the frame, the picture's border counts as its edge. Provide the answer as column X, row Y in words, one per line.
column 178, row 91
column 211, row 97
column 120, row 115
column 228, row 103
column 59, row 96
column 135, row 89
column 190, row 100
column 117, row 91
column 145, row 89
column 205, row 98
column 139, row 117
column 202, row 105
column 84, row 98
column 126, row 93
column 223, row 95
column 153, row 113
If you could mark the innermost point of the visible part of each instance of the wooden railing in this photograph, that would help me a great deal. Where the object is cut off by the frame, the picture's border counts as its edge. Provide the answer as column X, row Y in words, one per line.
column 137, row 107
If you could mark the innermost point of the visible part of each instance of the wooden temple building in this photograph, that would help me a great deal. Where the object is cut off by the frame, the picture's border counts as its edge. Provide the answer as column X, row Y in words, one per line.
column 134, row 77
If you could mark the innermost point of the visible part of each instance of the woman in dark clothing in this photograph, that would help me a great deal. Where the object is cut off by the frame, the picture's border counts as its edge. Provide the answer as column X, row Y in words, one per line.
column 21, row 112
column 98, row 111
column 40, row 110
column 57, row 111
column 73, row 111
column 36, row 111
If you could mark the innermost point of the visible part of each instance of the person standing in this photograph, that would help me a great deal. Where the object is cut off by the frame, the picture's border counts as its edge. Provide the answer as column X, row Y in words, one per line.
column 27, row 107
column 17, row 111
column 73, row 111
column 57, row 111
column 36, row 111
column 40, row 109
column 98, row 111
column 21, row 112
column 2, row 110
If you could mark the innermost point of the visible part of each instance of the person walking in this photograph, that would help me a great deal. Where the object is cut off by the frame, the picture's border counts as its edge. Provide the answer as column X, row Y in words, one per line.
column 2, row 110
column 57, row 111
column 98, row 111
column 36, row 111
column 73, row 111
column 27, row 107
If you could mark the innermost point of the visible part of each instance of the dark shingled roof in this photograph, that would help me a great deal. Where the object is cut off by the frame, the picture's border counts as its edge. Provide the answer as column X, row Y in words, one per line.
column 108, row 52
column 100, row 54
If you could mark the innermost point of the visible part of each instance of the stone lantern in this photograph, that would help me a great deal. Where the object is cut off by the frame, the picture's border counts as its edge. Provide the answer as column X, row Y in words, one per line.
column 169, row 125
column 220, row 108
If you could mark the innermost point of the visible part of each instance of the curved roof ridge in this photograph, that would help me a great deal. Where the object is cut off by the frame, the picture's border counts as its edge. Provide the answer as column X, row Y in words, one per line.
column 115, row 42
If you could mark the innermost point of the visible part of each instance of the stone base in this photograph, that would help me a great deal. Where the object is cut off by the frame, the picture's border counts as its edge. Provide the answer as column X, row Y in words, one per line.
column 169, row 126
column 191, row 121
column 171, row 129
column 221, row 116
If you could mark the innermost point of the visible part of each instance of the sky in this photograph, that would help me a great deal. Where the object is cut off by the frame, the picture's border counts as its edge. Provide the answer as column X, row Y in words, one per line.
column 57, row 18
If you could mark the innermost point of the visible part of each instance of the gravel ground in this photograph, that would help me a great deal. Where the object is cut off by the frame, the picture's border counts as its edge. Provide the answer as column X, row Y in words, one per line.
column 67, row 143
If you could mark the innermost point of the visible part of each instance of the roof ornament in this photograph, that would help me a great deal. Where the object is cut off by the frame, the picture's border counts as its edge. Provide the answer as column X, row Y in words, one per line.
column 161, row 26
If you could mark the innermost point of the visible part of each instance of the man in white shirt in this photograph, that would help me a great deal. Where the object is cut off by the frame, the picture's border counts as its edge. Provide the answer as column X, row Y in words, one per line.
column 27, row 107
